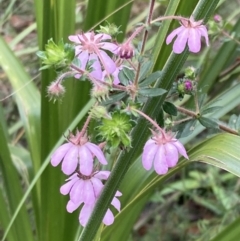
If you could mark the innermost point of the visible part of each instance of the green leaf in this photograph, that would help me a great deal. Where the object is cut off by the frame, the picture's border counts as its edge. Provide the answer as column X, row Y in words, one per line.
column 230, row 233
column 170, row 108
column 150, row 79
column 152, row 92
column 210, row 110
column 208, row 123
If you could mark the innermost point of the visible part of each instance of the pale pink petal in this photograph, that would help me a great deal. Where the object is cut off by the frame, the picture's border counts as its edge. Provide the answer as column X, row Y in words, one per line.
column 70, row 161
column 103, row 36
column 108, row 218
column 149, row 153
column 71, row 206
column 204, row 33
column 88, row 193
column 97, row 152
column 65, row 188
column 116, row 203
column 83, row 57
column 86, row 161
column 194, row 40
column 116, row 80
column 181, row 41
column 77, row 191
column 102, row 175
column 96, row 67
column 59, row 154
column 97, row 186
column 110, row 47
column 118, row 194
column 174, row 33
column 160, row 163
column 171, row 154
column 107, row 63
column 74, row 38
column 85, row 214
column 180, row 147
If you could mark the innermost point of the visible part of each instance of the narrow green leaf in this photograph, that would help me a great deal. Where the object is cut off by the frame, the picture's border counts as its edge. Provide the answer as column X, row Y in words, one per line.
column 230, row 233
column 152, row 92
column 22, row 229
column 150, row 79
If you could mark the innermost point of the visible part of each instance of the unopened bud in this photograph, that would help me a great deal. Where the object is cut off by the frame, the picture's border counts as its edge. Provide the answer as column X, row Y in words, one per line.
column 99, row 112
column 100, row 91
column 55, row 90
column 126, row 51
column 217, row 18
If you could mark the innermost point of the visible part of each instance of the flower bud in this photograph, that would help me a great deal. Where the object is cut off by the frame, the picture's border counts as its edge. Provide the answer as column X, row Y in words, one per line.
column 55, row 90
column 126, row 51
column 100, row 91
column 99, row 112
column 217, row 18
column 55, row 55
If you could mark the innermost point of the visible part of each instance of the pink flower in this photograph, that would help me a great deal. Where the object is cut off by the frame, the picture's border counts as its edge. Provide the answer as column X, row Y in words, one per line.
column 189, row 33
column 92, row 47
column 78, row 151
column 162, row 151
column 86, row 190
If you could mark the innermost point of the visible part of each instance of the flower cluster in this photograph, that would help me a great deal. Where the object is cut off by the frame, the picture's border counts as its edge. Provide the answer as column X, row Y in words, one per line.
column 84, row 185
column 162, row 152
column 85, row 190
column 189, row 33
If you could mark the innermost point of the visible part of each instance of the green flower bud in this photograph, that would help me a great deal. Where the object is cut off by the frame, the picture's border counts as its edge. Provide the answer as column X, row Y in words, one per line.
column 190, row 72
column 99, row 112
column 55, row 55
column 115, row 130
column 110, row 29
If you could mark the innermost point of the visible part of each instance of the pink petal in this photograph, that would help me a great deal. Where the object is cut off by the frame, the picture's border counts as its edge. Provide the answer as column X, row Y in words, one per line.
column 181, row 148
column 59, row 154
column 96, row 67
column 149, row 152
column 85, row 214
column 107, row 63
column 204, row 33
column 77, row 191
column 160, row 163
column 74, row 38
column 181, row 41
column 83, row 57
column 103, row 36
column 171, row 154
column 71, row 206
column 116, row 80
column 102, row 175
column 116, row 203
column 65, row 189
column 94, row 149
column 110, row 47
column 88, row 193
column 86, row 161
column 97, row 186
column 70, row 160
column 174, row 33
column 108, row 218
column 118, row 194
column 194, row 40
